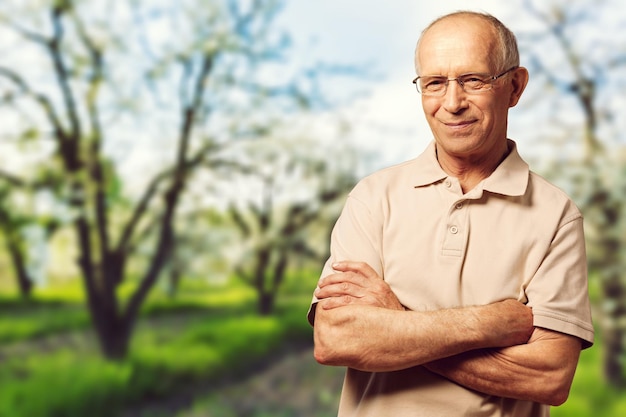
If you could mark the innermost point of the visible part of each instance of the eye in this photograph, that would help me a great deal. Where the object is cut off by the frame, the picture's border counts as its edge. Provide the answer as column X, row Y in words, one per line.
column 433, row 83
column 473, row 81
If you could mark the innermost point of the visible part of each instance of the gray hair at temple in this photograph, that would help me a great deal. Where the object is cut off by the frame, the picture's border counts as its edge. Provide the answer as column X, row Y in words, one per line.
column 508, row 56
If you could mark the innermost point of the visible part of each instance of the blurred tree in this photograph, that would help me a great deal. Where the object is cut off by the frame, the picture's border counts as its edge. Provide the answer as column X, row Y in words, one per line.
column 286, row 189
column 132, row 96
column 18, row 222
column 576, row 53
column 10, row 226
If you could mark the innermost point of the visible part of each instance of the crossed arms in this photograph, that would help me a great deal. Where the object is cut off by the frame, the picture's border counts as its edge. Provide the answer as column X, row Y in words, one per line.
column 494, row 349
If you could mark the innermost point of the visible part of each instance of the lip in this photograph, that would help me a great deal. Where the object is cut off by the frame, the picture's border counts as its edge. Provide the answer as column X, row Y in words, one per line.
column 458, row 124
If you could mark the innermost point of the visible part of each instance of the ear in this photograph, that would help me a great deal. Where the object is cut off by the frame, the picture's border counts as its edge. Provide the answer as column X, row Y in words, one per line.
column 519, row 79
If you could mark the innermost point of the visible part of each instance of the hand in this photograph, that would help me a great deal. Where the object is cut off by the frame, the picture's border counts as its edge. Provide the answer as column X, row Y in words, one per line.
column 355, row 283
column 508, row 323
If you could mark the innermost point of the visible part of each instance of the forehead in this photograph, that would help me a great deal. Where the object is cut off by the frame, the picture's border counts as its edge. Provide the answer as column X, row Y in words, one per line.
column 457, row 45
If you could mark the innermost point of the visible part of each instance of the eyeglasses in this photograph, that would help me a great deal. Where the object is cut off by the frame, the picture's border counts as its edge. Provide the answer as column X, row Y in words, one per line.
column 472, row 83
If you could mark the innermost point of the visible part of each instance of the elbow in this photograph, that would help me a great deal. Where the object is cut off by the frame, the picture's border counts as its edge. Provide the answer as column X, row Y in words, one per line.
column 555, row 399
column 558, row 396
column 322, row 355
column 325, row 355
column 560, row 383
column 325, row 351
column 555, row 391
column 329, row 348
column 340, row 357
column 320, row 351
column 327, row 340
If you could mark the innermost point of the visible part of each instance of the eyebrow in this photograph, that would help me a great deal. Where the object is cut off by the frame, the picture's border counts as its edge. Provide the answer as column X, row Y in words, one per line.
column 460, row 75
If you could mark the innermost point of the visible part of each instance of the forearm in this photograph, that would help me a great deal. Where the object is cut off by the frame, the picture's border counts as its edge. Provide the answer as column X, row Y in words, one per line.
column 376, row 339
column 540, row 371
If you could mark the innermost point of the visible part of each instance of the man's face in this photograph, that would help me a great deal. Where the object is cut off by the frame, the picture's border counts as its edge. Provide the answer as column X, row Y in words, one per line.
column 466, row 126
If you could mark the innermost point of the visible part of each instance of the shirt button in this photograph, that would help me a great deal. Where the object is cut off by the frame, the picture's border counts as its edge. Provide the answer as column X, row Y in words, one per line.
column 458, row 206
column 454, row 230
column 447, row 183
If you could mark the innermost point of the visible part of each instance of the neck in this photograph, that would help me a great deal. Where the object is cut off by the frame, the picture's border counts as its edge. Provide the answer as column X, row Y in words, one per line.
column 471, row 170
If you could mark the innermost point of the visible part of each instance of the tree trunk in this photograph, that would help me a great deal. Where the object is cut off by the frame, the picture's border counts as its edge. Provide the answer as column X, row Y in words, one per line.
column 114, row 337
column 24, row 281
column 613, row 331
column 613, row 349
column 612, row 284
column 112, row 330
column 266, row 303
column 175, row 276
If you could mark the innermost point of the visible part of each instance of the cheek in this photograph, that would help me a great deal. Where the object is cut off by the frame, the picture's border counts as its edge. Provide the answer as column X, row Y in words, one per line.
column 494, row 113
column 430, row 106
column 500, row 114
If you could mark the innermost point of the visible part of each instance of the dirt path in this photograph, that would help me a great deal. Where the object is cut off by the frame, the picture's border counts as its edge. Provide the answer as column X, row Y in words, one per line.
column 295, row 386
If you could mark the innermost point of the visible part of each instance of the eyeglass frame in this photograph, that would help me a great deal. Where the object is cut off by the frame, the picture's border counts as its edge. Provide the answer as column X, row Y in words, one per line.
column 490, row 78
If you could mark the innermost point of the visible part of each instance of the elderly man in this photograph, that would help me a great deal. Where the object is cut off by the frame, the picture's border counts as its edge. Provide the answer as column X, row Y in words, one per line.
column 457, row 281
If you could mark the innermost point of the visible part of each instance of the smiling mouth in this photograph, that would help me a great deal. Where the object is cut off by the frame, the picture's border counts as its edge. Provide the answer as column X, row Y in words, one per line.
column 458, row 124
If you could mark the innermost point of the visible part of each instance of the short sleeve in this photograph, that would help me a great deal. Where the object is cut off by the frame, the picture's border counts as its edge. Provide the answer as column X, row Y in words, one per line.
column 355, row 236
column 558, row 293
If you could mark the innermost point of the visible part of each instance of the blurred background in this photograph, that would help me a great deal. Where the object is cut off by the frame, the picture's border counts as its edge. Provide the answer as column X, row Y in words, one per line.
column 170, row 171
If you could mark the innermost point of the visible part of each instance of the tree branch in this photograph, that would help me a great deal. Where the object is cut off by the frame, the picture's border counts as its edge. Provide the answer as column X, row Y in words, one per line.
column 54, row 49
column 95, row 163
column 172, row 196
column 12, row 179
column 44, row 102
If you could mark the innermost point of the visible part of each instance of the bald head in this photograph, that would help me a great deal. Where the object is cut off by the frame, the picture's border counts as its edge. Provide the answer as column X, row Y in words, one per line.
column 485, row 28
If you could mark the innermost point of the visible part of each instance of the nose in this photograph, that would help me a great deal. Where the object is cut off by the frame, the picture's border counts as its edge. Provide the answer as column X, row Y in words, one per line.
column 454, row 98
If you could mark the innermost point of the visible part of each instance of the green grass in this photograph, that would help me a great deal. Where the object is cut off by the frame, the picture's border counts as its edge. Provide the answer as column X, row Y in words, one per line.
column 69, row 382
column 205, row 334
column 29, row 320
column 61, row 384
column 57, row 309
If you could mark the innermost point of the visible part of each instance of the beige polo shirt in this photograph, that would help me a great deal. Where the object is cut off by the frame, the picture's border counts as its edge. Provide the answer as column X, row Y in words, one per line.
column 513, row 236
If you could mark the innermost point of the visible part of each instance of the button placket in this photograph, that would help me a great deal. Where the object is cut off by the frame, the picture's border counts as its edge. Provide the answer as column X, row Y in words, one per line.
column 456, row 229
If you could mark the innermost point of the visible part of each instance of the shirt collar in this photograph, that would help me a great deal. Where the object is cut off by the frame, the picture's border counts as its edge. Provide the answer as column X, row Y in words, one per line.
column 428, row 170
column 509, row 178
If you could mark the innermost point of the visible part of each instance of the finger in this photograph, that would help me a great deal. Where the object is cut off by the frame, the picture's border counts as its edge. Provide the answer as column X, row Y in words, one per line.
column 338, row 278
column 335, row 302
column 339, row 289
column 357, row 267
